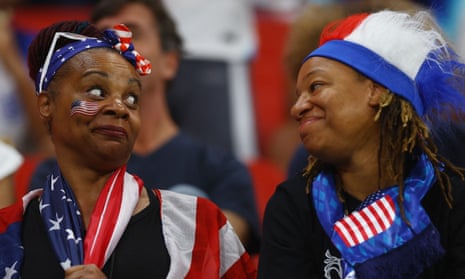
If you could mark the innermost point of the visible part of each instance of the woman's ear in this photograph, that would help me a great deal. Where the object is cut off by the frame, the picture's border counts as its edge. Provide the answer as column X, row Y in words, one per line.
column 376, row 93
column 170, row 65
column 44, row 103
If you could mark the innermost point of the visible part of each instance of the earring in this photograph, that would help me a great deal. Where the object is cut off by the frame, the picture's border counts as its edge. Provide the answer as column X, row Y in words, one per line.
column 385, row 100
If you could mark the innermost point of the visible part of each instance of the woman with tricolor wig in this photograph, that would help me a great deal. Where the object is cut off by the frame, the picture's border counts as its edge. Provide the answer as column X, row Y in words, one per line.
column 376, row 199
column 92, row 219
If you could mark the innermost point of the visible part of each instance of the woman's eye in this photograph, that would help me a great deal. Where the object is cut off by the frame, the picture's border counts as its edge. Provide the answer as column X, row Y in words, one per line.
column 314, row 86
column 132, row 99
column 96, row 92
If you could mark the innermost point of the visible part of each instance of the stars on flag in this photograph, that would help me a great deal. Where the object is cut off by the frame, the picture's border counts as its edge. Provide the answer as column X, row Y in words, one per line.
column 10, row 271
column 55, row 223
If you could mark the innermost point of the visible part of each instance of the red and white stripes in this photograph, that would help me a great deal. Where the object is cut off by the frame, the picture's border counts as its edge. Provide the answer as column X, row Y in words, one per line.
column 362, row 225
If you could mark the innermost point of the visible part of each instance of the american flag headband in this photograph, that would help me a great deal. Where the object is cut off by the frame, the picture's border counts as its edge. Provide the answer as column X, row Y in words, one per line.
column 118, row 38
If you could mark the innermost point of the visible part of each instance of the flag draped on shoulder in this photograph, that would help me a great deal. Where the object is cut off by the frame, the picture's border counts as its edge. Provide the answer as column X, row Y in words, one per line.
column 200, row 240
column 11, row 250
column 59, row 211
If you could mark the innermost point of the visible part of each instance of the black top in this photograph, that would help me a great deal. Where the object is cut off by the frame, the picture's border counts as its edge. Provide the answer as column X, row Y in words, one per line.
column 295, row 245
column 140, row 253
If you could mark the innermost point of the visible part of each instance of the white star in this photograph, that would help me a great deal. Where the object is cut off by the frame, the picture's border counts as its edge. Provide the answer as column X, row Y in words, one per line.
column 52, row 183
column 72, row 236
column 56, row 224
column 64, row 194
column 42, row 206
column 66, row 264
column 10, row 271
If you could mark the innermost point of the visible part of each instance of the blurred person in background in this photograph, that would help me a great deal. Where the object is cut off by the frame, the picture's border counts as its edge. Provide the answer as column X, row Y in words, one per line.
column 10, row 161
column 211, row 97
column 19, row 123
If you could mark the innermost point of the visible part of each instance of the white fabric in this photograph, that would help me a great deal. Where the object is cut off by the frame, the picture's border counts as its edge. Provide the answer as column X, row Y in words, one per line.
column 224, row 30
column 10, row 160
column 232, row 249
column 242, row 117
column 381, row 32
column 178, row 215
column 129, row 202
column 215, row 29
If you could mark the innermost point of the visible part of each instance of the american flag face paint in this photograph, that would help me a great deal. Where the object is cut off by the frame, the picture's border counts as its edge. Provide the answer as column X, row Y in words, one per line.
column 84, row 108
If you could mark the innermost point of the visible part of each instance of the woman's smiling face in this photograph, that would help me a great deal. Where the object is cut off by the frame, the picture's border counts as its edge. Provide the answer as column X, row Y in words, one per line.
column 334, row 108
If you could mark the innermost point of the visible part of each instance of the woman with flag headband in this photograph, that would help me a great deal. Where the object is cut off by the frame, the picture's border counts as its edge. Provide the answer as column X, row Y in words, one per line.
column 92, row 219
column 376, row 200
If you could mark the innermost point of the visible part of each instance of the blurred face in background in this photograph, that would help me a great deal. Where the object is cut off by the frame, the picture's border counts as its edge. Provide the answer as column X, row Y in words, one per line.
column 146, row 40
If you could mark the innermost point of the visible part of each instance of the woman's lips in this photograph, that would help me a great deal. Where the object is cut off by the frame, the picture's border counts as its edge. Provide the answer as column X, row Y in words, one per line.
column 307, row 121
column 112, row 131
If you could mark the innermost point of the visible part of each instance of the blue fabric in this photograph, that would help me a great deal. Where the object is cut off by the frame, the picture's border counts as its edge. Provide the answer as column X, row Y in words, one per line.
column 61, row 215
column 11, row 251
column 329, row 210
column 373, row 66
column 59, row 56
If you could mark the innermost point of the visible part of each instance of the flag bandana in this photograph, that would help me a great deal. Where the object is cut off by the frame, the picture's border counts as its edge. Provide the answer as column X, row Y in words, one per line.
column 62, row 218
column 118, row 38
column 374, row 236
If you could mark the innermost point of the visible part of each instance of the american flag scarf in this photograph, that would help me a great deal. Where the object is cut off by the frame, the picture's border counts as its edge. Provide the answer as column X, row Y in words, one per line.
column 374, row 236
column 61, row 216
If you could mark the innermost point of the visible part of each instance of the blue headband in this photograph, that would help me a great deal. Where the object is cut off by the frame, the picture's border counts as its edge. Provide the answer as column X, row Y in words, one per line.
column 373, row 66
column 118, row 38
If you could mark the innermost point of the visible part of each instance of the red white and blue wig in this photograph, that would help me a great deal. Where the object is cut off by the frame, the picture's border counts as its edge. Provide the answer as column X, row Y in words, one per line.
column 405, row 53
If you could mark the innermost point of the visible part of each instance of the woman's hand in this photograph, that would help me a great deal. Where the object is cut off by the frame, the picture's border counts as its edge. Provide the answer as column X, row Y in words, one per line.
column 87, row 271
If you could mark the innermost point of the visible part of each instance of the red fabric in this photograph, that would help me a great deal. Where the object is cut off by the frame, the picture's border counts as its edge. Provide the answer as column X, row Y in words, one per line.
column 206, row 253
column 340, row 29
column 97, row 226
column 268, row 77
column 246, row 264
column 10, row 215
column 32, row 18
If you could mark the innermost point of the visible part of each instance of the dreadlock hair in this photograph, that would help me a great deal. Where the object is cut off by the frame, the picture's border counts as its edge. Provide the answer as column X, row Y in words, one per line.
column 39, row 47
column 403, row 137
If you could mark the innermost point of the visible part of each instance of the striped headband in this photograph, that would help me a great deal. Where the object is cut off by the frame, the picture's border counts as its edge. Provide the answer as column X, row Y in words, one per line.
column 118, row 38
column 401, row 52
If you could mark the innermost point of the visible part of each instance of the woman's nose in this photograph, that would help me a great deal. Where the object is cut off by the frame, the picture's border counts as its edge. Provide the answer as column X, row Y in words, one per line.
column 301, row 105
column 116, row 106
